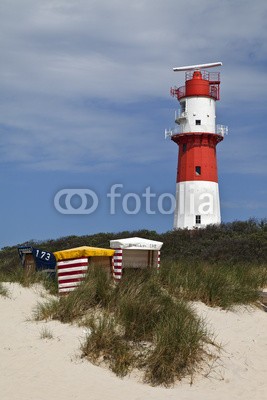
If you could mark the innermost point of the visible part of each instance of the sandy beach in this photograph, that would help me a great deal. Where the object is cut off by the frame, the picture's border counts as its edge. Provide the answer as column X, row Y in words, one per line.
column 34, row 368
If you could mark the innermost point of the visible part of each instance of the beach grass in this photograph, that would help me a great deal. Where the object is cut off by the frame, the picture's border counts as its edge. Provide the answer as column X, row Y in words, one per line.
column 4, row 292
column 131, row 324
column 46, row 333
column 147, row 320
column 180, row 339
column 94, row 291
column 19, row 275
column 217, row 285
column 105, row 344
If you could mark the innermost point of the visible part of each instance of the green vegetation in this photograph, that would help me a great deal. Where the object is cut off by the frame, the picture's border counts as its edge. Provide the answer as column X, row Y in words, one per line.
column 26, row 280
column 220, row 265
column 106, row 344
column 95, row 291
column 231, row 243
column 222, row 285
column 46, row 334
column 146, row 321
column 3, row 291
column 135, row 324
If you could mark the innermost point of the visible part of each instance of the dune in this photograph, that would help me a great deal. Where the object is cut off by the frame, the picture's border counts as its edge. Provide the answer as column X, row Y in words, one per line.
column 35, row 368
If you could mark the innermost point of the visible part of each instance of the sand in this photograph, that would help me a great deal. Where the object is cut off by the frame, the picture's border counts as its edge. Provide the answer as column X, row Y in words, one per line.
column 32, row 368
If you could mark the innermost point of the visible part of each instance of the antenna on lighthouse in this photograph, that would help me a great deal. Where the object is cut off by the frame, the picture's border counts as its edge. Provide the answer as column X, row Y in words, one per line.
column 198, row 66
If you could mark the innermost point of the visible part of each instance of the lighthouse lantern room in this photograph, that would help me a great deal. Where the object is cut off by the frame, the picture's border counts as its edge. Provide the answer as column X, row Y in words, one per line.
column 197, row 135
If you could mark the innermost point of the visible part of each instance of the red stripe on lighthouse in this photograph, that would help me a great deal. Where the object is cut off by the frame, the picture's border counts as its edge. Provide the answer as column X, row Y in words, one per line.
column 197, row 156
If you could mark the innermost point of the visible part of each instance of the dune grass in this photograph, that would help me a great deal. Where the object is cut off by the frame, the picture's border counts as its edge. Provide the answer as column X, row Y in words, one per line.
column 4, row 292
column 139, row 303
column 221, row 285
column 179, row 346
column 46, row 334
column 106, row 344
column 135, row 324
column 146, row 321
column 94, row 291
column 18, row 274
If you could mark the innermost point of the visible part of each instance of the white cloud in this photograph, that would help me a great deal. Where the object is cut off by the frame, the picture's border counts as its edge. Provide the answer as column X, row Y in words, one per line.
column 57, row 54
column 243, row 150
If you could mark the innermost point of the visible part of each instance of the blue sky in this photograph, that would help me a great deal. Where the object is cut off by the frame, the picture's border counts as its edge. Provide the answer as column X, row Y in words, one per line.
column 84, row 102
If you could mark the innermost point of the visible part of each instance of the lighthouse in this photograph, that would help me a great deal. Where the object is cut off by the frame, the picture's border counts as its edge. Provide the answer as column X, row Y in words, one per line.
column 197, row 135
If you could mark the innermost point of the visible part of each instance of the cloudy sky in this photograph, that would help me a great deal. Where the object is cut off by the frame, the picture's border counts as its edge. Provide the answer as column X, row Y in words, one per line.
column 84, row 102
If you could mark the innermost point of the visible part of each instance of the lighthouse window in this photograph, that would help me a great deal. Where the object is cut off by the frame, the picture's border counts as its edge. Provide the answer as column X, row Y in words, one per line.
column 182, row 105
column 198, row 219
column 198, row 170
column 184, row 147
column 198, row 121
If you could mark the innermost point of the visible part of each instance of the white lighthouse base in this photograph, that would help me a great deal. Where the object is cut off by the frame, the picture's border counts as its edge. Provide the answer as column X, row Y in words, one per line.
column 197, row 204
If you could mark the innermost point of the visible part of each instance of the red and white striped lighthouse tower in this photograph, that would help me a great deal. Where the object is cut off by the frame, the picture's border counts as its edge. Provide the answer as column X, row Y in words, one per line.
column 197, row 191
